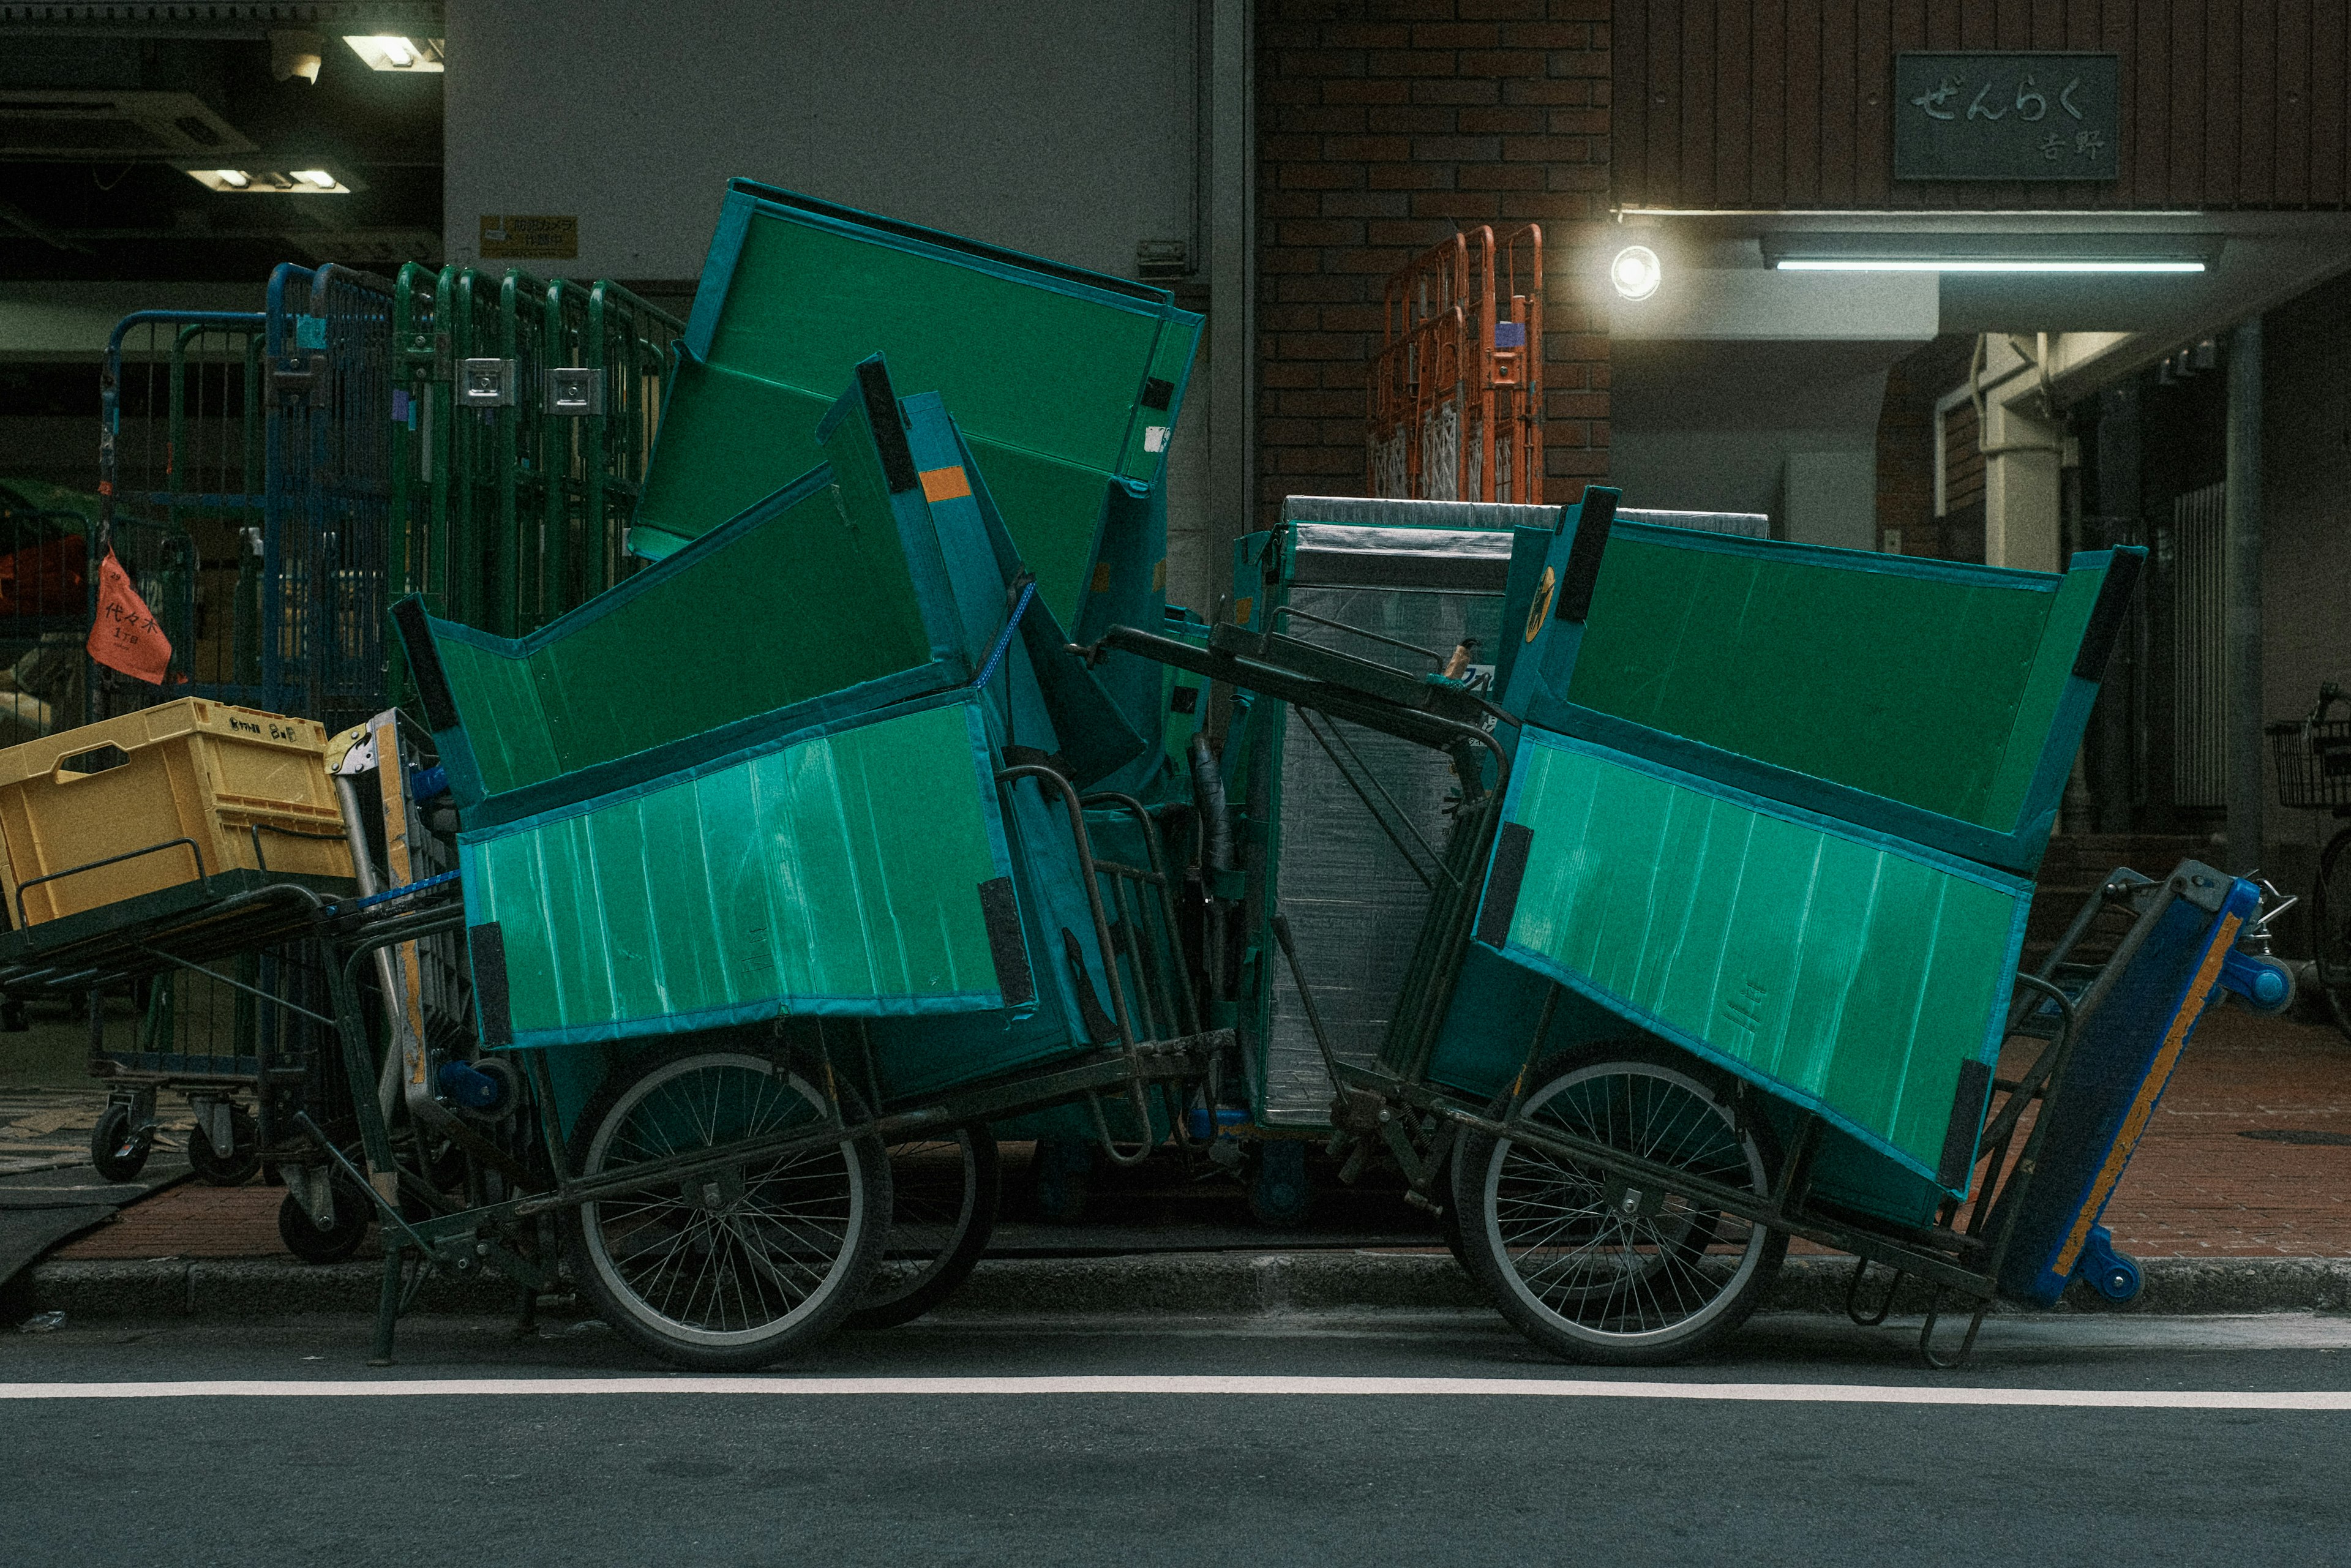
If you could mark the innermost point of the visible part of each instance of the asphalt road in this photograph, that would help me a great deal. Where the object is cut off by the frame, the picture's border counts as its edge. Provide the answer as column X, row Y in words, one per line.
column 936, row 1444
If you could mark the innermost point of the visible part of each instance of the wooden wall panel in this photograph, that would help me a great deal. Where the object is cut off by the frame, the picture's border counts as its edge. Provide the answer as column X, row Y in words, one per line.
column 1772, row 104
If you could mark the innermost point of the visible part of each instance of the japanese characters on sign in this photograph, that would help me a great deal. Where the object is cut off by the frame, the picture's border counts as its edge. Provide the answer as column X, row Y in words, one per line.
column 1983, row 116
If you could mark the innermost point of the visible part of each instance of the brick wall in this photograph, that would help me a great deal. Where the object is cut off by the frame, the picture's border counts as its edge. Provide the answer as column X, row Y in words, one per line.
column 1906, row 454
column 1384, row 127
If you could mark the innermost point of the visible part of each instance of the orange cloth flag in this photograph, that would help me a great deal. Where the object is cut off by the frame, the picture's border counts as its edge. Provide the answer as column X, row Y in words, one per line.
column 124, row 636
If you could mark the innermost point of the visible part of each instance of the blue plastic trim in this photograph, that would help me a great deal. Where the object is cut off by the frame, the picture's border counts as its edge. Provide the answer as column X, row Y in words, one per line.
column 717, row 273
column 1004, row 640
column 781, row 1005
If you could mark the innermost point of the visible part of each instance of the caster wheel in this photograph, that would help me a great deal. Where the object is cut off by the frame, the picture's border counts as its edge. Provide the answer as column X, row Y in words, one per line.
column 1281, row 1194
column 337, row 1241
column 236, row 1167
column 116, row 1152
column 2113, row 1275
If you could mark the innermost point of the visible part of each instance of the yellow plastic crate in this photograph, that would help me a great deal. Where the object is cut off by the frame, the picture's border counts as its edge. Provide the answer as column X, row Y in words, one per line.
column 168, row 789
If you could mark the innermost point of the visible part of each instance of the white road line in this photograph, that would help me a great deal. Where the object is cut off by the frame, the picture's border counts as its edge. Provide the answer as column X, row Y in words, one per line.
column 1194, row 1387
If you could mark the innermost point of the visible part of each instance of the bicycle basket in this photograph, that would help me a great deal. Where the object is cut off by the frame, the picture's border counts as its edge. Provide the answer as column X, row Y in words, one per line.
column 2314, row 762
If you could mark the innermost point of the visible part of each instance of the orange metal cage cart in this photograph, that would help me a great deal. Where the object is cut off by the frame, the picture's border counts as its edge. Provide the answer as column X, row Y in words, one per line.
column 1457, row 386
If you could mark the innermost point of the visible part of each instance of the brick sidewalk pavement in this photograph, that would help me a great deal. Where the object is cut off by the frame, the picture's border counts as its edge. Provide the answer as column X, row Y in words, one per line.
column 2197, row 1188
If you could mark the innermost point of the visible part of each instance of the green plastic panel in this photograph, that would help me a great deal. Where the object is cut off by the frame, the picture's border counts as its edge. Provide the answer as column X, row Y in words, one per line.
column 833, row 873
column 1851, row 974
column 1065, row 383
column 1936, row 689
column 817, row 601
column 729, row 440
column 833, row 593
column 806, row 300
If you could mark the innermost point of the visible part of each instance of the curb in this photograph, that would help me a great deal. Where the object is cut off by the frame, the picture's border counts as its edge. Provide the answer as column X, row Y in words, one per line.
column 1155, row 1284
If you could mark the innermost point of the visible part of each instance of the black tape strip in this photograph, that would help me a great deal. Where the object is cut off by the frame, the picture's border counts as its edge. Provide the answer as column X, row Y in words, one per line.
column 1510, row 850
column 425, row 666
column 1032, row 757
column 487, row 945
column 1098, row 1025
column 2105, row 627
column 889, row 428
column 1001, row 915
column 1967, row 1121
column 1599, row 515
column 1157, row 392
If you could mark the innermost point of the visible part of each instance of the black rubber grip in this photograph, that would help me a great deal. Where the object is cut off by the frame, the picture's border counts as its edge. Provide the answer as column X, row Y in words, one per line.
column 1511, row 848
column 487, row 945
column 1099, row 1025
column 424, row 664
column 1967, row 1121
column 1594, row 519
column 2105, row 627
column 889, row 428
column 1001, row 913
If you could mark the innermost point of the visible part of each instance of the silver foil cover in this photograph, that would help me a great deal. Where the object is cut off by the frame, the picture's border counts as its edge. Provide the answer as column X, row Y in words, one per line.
column 1354, row 903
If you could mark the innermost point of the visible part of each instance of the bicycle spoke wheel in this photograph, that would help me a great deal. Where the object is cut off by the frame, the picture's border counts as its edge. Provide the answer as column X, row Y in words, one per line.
column 943, row 1196
column 1605, row 1267
column 2330, row 919
column 731, row 1265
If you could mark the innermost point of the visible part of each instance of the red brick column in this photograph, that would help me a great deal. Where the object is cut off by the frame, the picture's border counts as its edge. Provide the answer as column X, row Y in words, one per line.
column 1384, row 126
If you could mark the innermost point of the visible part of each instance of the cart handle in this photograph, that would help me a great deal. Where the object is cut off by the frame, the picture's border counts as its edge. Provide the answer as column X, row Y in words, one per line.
column 2329, row 694
column 261, row 862
column 203, row 881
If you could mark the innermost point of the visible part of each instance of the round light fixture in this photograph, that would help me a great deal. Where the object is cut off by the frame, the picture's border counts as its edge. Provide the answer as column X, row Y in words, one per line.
column 1636, row 272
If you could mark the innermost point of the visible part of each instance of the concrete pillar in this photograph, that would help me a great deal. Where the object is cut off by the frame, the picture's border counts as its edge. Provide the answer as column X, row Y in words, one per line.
column 2248, row 795
column 1232, row 285
column 2112, row 743
column 2021, row 486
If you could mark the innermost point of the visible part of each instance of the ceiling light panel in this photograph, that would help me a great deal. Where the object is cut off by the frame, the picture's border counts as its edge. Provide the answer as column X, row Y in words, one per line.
column 308, row 180
column 391, row 52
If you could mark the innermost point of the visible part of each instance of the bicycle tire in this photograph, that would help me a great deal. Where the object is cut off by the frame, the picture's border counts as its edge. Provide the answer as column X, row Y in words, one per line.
column 2330, row 922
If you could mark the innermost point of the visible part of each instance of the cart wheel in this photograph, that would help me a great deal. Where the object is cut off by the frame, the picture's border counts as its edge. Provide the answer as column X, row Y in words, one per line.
column 1281, row 1194
column 1591, row 1265
column 2330, row 922
column 116, row 1152
column 353, row 1209
column 942, row 1201
column 728, row 1268
column 2118, row 1281
column 236, row 1167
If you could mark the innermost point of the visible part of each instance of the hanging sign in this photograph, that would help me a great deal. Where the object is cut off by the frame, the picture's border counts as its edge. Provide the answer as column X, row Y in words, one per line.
column 124, row 636
column 1981, row 116
column 509, row 237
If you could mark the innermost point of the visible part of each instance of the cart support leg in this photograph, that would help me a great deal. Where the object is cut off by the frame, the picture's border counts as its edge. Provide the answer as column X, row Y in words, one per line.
column 1966, row 1346
column 1853, row 1296
column 387, row 1305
